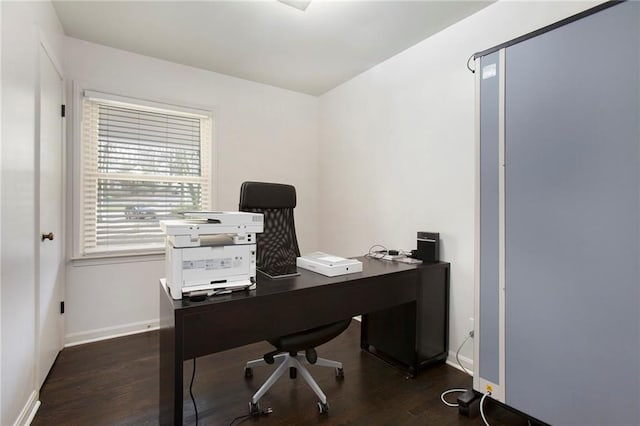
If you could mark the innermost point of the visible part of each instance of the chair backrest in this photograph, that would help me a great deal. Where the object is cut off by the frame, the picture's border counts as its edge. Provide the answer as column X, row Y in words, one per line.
column 277, row 246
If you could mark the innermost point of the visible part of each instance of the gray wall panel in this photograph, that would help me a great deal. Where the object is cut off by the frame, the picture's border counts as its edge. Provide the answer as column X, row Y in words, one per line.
column 489, row 296
column 572, row 222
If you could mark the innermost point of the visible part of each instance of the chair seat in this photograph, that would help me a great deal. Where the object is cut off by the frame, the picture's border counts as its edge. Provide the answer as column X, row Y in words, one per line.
column 310, row 338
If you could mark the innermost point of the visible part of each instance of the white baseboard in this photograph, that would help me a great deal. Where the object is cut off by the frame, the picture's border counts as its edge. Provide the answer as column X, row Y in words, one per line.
column 466, row 362
column 28, row 411
column 73, row 339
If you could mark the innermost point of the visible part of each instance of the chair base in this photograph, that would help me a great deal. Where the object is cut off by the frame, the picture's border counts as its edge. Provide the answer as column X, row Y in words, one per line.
column 285, row 361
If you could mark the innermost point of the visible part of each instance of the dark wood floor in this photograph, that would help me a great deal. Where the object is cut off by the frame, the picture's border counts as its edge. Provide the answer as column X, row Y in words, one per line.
column 115, row 382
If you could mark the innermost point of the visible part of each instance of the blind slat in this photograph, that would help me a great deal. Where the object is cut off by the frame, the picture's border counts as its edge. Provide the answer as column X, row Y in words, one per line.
column 133, row 145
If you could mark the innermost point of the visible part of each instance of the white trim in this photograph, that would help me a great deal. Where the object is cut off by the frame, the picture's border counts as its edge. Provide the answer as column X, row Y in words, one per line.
column 75, row 174
column 73, row 339
column 28, row 411
column 466, row 363
column 499, row 392
column 214, row 193
column 162, row 107
column 112, row 259
column 33, row 413
column 476, row 245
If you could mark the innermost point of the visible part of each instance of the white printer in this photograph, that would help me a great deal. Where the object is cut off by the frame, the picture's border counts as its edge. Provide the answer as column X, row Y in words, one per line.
column 211, row 252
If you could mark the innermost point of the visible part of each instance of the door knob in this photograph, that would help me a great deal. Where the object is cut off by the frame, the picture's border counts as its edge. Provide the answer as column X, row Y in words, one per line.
column 48, row 236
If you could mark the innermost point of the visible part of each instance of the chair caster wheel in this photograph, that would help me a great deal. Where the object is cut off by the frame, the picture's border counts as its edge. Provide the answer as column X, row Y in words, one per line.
column 339, row 374
column 254, row 408
column 248, row 372
column 323, row 407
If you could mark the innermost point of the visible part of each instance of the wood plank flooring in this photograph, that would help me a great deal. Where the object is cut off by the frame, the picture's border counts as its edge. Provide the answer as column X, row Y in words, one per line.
column 115, row 382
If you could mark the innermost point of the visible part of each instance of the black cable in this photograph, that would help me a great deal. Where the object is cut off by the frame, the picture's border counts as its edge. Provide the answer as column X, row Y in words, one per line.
column 246, row 416
column 469, row 60
column 264, row 412
column 374, row 253
column 193, row 374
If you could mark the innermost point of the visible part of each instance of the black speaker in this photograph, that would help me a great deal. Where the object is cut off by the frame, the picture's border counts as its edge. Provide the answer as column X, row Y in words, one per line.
column 428, row 247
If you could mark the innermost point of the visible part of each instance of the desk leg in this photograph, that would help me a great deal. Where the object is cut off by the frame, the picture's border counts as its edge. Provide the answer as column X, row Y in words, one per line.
column 171, row 365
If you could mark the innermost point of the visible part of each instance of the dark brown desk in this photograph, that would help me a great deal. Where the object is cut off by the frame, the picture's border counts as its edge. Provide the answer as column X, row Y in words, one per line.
column 400, row 296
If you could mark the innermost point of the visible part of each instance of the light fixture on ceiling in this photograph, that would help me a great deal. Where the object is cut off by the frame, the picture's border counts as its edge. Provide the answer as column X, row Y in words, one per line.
column 298, row 4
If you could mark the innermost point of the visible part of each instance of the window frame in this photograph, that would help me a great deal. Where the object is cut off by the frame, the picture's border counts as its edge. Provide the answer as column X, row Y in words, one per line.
column 78, row 251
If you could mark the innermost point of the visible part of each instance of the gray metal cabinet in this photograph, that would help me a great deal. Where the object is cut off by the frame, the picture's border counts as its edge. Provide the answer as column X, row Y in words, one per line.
column 558, row 298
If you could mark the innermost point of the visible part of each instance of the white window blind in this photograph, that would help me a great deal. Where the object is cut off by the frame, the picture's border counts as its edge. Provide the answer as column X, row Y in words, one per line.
column 139, row 165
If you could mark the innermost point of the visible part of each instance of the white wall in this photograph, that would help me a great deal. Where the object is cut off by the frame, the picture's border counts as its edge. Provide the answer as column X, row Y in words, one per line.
column 397, row 148
column 261, row 133
column 21, row 26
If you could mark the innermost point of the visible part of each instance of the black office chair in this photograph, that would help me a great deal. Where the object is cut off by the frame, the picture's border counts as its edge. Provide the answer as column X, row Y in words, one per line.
column 277, row 250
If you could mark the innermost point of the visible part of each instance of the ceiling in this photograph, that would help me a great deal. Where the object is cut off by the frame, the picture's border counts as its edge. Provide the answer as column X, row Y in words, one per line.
column 266, row 41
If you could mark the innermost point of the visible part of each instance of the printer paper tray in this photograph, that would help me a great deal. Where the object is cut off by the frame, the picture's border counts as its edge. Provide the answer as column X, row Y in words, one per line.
column 216, row 286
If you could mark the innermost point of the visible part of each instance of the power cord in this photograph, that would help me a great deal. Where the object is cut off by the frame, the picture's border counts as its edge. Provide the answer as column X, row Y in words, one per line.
column 377, row 254
column 384, row 253
column 458, row 353
column 484, row 419
column 193, row 374
column 264, row 412
column 442, row 395
column 447, row 403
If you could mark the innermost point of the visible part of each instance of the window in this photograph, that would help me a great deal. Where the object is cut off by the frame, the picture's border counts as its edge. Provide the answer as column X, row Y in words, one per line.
column 140, row 164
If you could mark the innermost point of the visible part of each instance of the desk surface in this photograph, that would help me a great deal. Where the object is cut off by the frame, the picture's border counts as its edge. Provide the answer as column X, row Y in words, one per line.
column 306, row 280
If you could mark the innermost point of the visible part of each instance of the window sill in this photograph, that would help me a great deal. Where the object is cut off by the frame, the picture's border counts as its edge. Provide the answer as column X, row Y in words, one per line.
column 115, row 258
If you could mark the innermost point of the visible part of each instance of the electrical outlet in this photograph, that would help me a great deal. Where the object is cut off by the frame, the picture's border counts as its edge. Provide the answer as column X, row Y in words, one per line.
column 471, row 324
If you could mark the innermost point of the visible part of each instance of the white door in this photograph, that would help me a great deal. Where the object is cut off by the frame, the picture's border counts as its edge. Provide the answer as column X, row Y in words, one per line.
column 51, row 271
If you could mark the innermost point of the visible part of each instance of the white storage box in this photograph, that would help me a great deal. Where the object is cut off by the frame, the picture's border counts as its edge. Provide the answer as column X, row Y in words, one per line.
column 329, row 265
